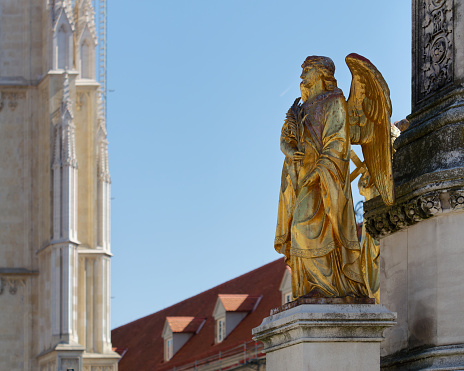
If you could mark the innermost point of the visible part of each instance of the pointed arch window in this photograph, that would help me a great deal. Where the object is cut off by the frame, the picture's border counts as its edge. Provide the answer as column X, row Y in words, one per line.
column 62, row 53
column 86, row 60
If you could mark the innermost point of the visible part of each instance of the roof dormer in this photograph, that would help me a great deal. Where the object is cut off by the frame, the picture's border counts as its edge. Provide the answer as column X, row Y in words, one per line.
column 286, row 286
column 230, row 310
column 177, row 331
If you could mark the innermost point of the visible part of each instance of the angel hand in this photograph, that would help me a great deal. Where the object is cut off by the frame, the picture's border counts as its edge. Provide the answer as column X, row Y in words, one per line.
column 297, row 156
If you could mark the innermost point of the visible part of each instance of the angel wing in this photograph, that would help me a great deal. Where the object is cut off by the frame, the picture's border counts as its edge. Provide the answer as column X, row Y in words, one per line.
column 369, row 112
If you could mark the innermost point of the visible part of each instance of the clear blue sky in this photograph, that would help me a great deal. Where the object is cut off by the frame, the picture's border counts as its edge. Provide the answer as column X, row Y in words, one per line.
column 201, row 89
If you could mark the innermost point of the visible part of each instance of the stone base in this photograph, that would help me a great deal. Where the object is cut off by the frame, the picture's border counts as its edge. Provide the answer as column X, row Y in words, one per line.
column 422, row 280
column 66, row 357
column 98, row 361
column 307, row 300
column 324, row 337
column 63, row 357
column 449, row 357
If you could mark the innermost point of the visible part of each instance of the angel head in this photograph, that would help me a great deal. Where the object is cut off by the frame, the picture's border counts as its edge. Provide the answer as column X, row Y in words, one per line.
column 317, row 69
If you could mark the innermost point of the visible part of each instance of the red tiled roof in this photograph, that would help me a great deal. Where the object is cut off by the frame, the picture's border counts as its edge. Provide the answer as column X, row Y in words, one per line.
column 184, row 324
column 238, row 303
column 143, row 341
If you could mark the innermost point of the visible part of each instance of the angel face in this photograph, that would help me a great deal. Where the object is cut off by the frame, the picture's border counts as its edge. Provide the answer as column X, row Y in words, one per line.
column 310, row 76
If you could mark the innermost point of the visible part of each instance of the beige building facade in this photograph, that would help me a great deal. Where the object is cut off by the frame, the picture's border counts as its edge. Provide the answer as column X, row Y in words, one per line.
column 54, row 191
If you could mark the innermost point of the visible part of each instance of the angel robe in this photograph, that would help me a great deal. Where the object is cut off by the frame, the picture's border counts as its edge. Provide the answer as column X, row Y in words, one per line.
column 316, row 227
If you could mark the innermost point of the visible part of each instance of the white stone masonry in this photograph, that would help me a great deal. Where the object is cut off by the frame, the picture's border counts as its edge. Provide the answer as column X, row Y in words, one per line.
column 320, row 337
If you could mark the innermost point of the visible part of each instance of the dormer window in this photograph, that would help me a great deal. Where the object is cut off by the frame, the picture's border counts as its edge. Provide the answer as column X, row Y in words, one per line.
column 220, row 329
column 168, row 349
column 286, row 287
column 177, row 331
column 230, row 310
column 288, row 297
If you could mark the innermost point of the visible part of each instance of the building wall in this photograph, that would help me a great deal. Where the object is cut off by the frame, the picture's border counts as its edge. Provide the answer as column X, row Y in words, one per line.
column 20, row 57
column 422, row 280
column 54, row 291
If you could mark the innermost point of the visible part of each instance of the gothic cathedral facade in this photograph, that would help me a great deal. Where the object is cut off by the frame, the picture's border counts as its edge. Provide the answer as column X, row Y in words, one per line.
column 54, row 191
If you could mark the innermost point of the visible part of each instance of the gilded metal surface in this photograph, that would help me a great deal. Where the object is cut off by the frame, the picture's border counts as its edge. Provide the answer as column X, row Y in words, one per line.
column 316, row 227
column 369, row 111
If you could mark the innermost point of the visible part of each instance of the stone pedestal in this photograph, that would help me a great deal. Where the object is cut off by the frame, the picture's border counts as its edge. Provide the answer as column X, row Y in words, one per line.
column 64, row 357
column 324, row 337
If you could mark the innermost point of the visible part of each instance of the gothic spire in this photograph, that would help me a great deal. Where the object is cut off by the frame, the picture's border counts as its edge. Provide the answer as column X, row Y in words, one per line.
column 68, row 128
column 85, row 15
column 66, row 103
column 103, row 167
column 101, row 114
column 57, row 6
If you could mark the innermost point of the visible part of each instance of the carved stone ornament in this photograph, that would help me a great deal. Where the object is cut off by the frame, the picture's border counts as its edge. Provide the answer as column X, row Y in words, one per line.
column 430, row 203
column 456, row 199
column 70, row 364
column 436, row 62
column 80, row 97
column 12, row 97
column 98, row 368
column 403, row 214
column 11, row 284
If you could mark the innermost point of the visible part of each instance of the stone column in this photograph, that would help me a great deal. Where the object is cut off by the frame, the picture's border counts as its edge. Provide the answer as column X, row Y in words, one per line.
column 324, row 337
column 431, row 149
column 422, row 235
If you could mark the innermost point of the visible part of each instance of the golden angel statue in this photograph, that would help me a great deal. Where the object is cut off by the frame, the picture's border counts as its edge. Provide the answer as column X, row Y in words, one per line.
column 316, row 226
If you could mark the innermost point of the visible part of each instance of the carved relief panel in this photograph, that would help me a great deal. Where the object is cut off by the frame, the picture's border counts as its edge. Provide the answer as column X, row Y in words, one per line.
column 435, row 34
column 98, row 368
column 70, row 364
column 11, row 285
column 11, row 97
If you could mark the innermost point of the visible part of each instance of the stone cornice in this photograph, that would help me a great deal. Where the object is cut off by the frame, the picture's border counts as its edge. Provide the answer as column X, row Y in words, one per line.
column 446, row 110
column 17, row 82
column 58, row 244
column 90, row 84
column 442, row 193
column 446, row 356
column 62, row 348
column 50, row 73
column 324, row 323
column 105, row 356
column 22, row 83
column 93, row 252
column 18, row 272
